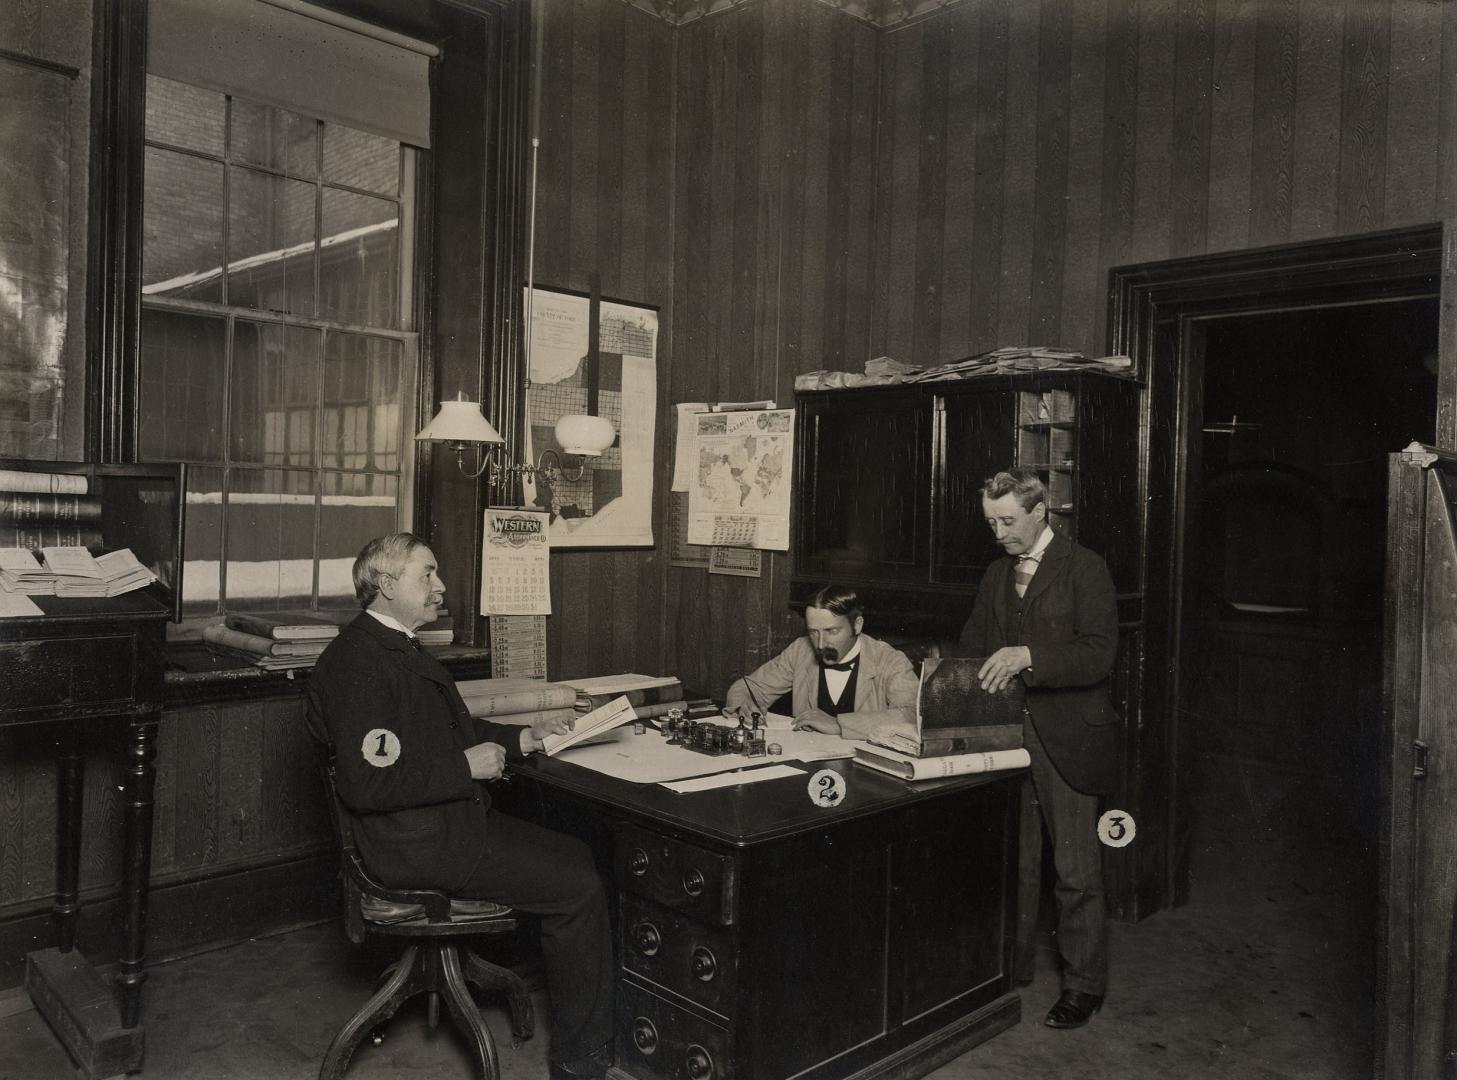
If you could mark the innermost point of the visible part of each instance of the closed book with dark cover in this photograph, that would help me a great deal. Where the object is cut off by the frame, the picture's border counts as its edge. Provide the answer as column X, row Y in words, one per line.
column 43, row 508
column 285, row 625
column 257, row 645
column 956, row 716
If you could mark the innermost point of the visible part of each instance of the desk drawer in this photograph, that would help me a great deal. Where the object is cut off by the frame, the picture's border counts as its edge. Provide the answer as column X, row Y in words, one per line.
column 681, row 876
column 658, row 1041
column 55, row 672
column 685, row 956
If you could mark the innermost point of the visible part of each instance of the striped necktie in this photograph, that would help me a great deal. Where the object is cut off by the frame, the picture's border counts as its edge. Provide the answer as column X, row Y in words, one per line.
column 1022, row 575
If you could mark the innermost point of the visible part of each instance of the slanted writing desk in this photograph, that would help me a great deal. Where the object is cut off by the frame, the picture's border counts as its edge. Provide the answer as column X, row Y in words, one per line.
column 760, row 936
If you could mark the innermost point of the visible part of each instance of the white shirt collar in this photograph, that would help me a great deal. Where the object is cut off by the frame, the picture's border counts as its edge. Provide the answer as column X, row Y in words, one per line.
column 1040, row 544
column 390, row 621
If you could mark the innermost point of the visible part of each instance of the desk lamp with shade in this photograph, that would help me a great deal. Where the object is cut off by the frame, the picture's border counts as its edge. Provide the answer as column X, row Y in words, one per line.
column 460, row 424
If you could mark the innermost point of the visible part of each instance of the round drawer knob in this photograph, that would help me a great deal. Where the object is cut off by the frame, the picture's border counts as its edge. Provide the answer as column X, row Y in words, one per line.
column 637, row 862
column 700, row 1065
column 693, row 882
column 647, row 939
column 644, row 1035
column 703, row 964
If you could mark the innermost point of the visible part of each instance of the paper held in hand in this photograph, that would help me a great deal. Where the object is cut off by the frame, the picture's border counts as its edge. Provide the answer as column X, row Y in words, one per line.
column 614, row 714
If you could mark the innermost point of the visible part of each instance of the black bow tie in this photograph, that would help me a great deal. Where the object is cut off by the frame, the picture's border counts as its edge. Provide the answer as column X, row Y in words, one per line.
column 847, row 665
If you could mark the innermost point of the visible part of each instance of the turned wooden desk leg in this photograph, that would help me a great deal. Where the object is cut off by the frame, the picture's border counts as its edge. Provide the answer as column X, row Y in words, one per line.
column 70, row 772
column 141, row 778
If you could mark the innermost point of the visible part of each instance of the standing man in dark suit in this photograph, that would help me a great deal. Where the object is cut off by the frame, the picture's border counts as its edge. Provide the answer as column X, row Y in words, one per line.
column 1047, row 614
column 410, row 763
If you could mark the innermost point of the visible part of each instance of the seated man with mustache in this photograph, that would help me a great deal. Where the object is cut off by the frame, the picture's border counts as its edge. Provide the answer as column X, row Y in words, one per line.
column 843, row 682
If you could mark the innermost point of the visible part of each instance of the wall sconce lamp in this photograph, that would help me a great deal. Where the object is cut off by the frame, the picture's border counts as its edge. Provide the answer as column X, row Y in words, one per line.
column 460, row 424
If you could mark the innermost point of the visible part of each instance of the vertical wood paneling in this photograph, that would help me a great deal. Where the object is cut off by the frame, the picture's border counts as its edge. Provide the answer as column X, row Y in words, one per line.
column 960, row 252
column 860, row 43
column 1447, row 115
column 1120, row 103
column 1318, row 120
column 1412, row 153
column 1273, row 153
column 1362, row 195
column 1153, row 147
column 607, row 623
column 930, row 200
column 1189, row 183
column 815, row 169
column 901, row 130
column 243, row 756
column 991, row 144
column 1050, row 190
column 12, row 820
column 35, row 763
column 1231, row 124
column 1084, row 282
column 1018, row 171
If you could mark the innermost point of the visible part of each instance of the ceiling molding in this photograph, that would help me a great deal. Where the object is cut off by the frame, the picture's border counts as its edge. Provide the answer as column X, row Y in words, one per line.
column 882, row 14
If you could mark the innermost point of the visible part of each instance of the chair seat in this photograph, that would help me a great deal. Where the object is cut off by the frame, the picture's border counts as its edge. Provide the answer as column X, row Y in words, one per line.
column 382, row 912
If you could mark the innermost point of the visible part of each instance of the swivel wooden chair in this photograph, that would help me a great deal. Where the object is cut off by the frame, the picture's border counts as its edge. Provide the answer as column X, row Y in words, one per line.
column 430, row 923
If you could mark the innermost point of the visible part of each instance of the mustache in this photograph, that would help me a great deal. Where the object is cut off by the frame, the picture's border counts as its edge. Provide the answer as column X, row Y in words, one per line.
column 828, row 652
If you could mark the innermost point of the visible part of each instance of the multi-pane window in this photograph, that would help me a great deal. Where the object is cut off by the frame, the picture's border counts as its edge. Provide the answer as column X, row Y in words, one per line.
column 278, row 353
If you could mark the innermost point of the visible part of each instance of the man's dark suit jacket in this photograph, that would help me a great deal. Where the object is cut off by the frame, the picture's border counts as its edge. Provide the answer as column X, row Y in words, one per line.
column 1069, row 620
column 420, row 819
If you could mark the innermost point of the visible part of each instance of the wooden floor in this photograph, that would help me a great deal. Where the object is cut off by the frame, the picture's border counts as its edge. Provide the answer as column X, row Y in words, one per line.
column 1265, row 974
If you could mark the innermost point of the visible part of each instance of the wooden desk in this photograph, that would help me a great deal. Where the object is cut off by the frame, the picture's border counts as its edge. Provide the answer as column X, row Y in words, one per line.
column 761, row 937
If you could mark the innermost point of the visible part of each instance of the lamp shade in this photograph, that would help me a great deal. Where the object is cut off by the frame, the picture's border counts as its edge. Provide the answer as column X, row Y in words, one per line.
column 460, row 421
column 585, row 436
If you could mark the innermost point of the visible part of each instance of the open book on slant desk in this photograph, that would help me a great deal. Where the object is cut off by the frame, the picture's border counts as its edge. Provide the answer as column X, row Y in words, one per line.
column 954, row 715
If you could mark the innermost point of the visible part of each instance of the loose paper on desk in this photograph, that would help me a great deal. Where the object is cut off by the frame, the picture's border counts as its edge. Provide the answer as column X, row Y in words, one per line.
column 733, row 779
column 17, row 605
column 514, row 564
column 599, row 721
column 739, row 494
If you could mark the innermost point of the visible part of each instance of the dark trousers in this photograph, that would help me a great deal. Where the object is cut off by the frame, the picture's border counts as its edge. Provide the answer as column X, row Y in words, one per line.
column 550, row 875
column 1071, row 821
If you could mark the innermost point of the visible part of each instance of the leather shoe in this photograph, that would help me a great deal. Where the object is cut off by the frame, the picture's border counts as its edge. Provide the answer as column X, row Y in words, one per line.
column 1073, row 1009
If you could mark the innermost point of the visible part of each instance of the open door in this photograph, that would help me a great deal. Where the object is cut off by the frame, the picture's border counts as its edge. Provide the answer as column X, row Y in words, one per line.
column 1416, row 1032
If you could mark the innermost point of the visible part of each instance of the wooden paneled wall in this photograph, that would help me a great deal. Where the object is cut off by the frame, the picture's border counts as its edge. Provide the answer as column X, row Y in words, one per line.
column 604, row 207
column 237, row 790
column 964, row 182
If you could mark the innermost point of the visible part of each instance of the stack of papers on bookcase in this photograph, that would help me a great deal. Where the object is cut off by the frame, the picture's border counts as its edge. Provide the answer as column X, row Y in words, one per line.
column 20, row 572
column 78, row 573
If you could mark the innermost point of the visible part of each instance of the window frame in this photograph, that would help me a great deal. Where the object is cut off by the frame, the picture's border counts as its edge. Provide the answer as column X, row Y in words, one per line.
column 472, row 184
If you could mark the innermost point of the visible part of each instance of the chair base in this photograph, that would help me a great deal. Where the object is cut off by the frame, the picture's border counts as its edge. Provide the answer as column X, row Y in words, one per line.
column 441, row 969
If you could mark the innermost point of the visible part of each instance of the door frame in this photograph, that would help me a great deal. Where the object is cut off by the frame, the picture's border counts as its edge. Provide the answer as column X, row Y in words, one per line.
column 1156, row 317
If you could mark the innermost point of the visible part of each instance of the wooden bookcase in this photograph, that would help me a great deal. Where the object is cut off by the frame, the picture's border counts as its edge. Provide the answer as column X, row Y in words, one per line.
column 888, row 480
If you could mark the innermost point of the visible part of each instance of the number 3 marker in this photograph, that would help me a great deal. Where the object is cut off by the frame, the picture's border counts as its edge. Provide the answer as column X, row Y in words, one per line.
column 1116, row 829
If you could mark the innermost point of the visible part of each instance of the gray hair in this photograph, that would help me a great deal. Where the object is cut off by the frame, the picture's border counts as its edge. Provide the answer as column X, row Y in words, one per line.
column 382, row 555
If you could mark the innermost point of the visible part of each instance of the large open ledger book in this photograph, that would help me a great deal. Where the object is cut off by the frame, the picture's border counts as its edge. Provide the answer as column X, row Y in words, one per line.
column 954, row 715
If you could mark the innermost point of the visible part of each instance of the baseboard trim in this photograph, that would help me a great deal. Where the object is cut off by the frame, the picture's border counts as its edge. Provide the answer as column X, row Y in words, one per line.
column 187, row 917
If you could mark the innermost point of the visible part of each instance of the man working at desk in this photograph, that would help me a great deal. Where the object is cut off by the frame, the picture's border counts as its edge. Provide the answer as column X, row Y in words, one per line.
column 1048, row 614
column 843, row 682
column 409, row 761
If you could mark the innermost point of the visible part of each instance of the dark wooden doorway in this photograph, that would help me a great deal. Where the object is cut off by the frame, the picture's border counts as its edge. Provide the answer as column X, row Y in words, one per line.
column 1180, row 320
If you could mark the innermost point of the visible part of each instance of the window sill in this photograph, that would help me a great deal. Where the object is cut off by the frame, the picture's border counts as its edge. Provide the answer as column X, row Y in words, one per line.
column 199, row 675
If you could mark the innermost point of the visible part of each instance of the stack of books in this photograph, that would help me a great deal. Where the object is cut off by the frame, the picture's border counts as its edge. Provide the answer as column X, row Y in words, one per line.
column 440, row 631
column 959, row 727
column 650, row 695
column 276, row 640
column 40, row 509
column 519, row 701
